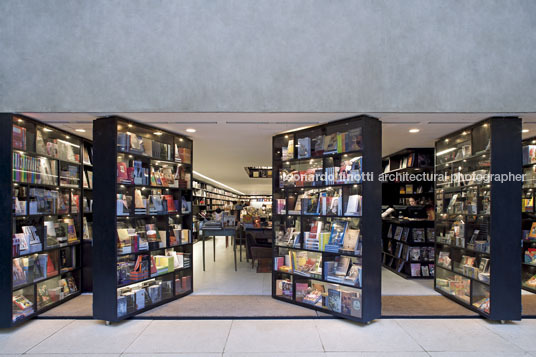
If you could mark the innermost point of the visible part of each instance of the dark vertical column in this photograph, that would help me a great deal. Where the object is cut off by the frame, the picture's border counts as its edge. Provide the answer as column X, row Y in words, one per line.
column 371, row 219
column 104, row 219
column 6, row 201
column 506, row 158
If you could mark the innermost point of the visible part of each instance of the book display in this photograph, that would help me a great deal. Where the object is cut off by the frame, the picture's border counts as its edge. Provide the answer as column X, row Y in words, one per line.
column 326, row 218
column 41, row 220
column 408, row 247
column 208, row 198
column 142, row 218
column 528, row 229
column 478, row 223
column 408, row 232
column 87, row 214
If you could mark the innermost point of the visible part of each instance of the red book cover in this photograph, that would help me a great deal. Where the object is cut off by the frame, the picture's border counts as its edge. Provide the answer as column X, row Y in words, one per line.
column 170, row 203
column 51, row 269
column 130, row 174
column 122, row 174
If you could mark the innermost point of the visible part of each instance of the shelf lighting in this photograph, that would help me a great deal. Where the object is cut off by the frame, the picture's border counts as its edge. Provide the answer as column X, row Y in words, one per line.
column 414, row 130
column 443, row 152
column 525, row 130
column 191, row 130
column 47, row 130
column 80, row 130
column 157, row 133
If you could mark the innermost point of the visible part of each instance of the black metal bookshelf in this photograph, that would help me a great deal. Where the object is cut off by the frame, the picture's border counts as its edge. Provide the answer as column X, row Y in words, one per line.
column 142, row 241
column 40, row 192
column 410, row 253
column 478, row 223
column 327, row 227
column 528, row 229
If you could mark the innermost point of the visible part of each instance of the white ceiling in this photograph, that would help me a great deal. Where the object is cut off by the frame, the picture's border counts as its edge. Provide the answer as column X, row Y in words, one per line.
column 225, row 143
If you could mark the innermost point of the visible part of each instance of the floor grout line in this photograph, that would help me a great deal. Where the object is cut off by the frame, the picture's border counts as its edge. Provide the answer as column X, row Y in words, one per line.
column 137, row 336
column 46, row 338
column 411, row 337
column 318, row 332
column 227, row 339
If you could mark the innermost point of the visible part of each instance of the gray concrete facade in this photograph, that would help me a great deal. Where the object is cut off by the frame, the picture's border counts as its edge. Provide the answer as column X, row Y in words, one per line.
column 268, row 55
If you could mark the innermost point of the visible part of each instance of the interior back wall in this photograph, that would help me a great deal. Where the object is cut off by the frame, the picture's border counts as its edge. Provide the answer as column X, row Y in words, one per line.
column 268, row 55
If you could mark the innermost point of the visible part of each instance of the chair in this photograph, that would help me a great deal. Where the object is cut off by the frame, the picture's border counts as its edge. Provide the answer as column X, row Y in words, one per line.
column 255, row 248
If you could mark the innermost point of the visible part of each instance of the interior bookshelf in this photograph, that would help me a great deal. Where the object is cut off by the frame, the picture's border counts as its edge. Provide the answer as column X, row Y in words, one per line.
column 408, row 232
column 408, row 247
column 87, row 214
column 326, row 218
column 142, row 241
column 41, row 220
column 207, row 197
column 478, row 223
column 528, row 230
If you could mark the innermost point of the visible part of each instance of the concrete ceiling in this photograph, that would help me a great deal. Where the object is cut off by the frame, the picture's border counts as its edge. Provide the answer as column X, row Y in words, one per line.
column 225, row 143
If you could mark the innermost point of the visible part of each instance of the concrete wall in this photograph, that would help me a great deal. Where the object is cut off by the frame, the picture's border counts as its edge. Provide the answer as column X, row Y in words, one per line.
column 268, row 55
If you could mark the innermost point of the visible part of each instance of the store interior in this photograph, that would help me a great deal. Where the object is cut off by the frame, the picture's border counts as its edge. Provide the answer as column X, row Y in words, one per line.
column 232, row 176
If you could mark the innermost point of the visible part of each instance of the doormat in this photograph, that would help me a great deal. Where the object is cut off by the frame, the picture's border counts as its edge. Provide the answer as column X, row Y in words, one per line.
column 264, row 307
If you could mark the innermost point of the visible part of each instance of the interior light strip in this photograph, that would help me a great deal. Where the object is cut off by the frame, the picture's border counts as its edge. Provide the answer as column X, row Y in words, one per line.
column 445, row 151
column 218, row 182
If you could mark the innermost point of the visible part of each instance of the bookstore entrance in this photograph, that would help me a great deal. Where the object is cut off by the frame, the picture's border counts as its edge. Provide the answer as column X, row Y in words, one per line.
column 273, row 216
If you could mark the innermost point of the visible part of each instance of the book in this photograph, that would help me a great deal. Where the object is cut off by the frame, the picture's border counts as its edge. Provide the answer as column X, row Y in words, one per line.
column 532, row 231
column 19, row 137
column 122, row 175
column 342, row 266
column 354, row 140
column 330, row 144
column 336, row 239
column 354, row 206
column 317, row 145
column 417, row 235
column 351, row 240
column 354, row 275
column 415, row 269
column 334, row 300
column 301, row 291
column 304, row 148
column 347, row 301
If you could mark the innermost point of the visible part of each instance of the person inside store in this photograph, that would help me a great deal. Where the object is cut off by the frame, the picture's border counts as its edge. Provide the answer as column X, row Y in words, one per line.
column 217, row 215
column 415, row 210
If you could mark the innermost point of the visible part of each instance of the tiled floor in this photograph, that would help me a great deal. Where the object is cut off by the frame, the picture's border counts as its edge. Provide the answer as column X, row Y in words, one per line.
column 407, row 337
column 219, row 277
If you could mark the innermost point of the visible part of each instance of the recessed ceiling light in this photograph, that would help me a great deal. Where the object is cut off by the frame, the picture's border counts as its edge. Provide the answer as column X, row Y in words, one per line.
column 415, row 130
column 19, row 120
column 191, row 130
column 47, row 130
column 130, row 125
column 157, row 133
column 80, row 130
column 525, row 130
column 67, row 137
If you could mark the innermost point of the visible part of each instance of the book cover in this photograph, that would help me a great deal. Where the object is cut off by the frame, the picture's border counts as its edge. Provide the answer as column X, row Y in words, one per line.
column 304, row 148
column 317, row 144
column 354, row 140
column 351, row 239
column 334, row 300
column 347, row 298
column 330, row 143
